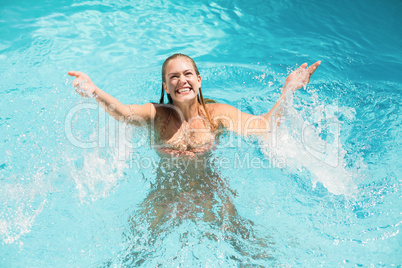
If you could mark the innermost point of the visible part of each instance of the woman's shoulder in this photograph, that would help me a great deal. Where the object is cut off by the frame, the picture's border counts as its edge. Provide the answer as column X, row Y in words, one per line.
column 214, row 106
column 163, row 110
column 216, row 109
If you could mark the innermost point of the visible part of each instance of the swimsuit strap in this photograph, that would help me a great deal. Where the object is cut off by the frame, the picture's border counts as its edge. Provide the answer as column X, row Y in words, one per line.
column 205, row 120
column 166, row 124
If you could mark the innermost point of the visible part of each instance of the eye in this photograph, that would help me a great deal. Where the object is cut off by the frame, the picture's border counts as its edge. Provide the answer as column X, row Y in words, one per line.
column 189, row 73
column 173, row 76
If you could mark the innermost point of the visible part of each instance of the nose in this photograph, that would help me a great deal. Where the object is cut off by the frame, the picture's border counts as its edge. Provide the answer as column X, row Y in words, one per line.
column 182, row 79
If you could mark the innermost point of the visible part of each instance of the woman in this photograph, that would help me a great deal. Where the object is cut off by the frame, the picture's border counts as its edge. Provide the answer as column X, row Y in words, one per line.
column 187, row 125
column 185, row 190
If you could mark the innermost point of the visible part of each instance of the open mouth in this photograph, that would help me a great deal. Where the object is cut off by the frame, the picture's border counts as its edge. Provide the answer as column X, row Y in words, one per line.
column 184, row 90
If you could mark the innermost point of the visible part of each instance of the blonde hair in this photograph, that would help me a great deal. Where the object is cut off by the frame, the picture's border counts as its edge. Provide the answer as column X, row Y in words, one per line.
column 200, row 98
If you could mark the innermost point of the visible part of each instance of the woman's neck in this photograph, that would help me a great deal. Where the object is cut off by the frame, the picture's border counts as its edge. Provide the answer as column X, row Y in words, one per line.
column 188, row 110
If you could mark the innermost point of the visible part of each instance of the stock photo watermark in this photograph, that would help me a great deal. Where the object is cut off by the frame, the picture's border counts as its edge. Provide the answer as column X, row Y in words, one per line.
column 319, row 136
column 234, row 161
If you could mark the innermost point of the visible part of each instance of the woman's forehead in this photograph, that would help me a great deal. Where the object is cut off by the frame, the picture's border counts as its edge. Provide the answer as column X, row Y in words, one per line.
column 180, row 64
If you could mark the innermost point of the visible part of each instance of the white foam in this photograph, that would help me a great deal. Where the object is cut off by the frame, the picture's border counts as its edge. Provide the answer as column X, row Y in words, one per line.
column 313, row 144
column 24, row 201
column 97, row 175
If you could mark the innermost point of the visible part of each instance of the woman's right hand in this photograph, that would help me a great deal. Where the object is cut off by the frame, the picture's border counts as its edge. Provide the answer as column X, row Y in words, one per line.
column 300, row 77
column 83, row 84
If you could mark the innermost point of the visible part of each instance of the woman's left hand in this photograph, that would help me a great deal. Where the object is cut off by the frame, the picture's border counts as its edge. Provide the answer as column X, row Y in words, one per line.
column 300, row 77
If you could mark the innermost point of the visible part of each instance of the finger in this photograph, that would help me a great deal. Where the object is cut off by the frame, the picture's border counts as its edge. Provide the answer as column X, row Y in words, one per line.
column 74, row 73
column 303, row 66
column 313, row 67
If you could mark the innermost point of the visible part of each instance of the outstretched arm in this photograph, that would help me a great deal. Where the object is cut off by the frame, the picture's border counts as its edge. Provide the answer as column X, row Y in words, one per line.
column 85, row 87
column 247, row 124
column 297, row 79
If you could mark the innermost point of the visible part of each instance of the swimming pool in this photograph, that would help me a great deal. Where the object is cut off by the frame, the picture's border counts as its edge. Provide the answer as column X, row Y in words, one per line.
column 324, row 190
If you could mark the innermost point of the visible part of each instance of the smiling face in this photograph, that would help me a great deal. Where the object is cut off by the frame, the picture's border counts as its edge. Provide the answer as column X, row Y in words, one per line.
column 181, row 80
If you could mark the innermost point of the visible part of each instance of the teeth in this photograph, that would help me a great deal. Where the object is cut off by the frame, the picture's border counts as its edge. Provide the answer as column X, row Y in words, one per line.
column 183, row 90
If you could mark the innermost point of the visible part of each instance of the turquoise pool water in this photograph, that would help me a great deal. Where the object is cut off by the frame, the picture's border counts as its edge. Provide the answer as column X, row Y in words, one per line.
column 78, row 189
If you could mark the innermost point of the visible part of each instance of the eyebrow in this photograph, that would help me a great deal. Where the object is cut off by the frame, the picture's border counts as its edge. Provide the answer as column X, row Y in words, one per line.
column 183, row 71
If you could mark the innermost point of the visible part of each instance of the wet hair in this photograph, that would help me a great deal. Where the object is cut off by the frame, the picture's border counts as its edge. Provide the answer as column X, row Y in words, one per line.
column 200, row 98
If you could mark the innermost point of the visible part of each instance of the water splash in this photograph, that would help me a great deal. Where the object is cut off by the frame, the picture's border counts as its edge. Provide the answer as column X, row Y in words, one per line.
column 97, row 172
column 22, row 202
column 313, row 144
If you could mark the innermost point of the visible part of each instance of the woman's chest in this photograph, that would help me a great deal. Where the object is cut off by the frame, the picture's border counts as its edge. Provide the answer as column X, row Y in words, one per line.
column 187, row 136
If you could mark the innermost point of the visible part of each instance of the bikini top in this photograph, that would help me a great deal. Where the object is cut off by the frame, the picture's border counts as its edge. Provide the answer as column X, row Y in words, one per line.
column 183, row 148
